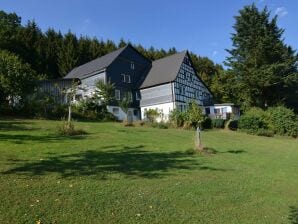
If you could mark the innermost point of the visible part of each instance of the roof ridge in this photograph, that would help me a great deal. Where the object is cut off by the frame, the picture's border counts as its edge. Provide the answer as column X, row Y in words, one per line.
column 106, row 60
column 119, row 49
column 181, row 52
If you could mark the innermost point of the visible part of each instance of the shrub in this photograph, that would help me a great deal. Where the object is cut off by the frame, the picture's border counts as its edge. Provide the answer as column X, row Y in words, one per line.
column 253, row 120
column 127, row 124
column 207, row 123
column 68, row 129
column 265, row 132
column 151, row 115
column 232, row 125
column 177, row 118
column 283, row 121
column 161, row 125
column 139, row 123
column 218, row 123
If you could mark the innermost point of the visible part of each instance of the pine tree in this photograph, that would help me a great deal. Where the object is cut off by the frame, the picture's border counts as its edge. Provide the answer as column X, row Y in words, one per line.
column 263, row 68
column 52, row 44
column 68, row 55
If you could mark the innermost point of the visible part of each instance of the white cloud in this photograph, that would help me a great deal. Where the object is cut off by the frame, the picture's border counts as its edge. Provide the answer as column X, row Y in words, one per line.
column 214, row 53
column 281, row 11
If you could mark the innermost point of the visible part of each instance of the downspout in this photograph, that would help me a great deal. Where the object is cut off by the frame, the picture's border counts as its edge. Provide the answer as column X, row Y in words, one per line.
column 173, row 96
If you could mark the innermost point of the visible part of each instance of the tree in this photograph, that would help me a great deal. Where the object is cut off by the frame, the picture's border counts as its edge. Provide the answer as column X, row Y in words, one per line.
column 10, row 24
column 194, row 115
column 262, row 68
column 70, row 94
column 52, row 44
column 125, row 104
column 17, row 79
column 68, row 55
column 105, row 92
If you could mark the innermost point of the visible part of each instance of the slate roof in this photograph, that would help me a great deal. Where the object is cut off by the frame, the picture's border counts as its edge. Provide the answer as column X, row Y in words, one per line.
column 95, row 65
column 164, row 70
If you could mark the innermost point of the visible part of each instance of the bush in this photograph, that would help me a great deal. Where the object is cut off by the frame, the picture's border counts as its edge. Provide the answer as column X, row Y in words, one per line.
column 232, row 125
column 253, row 120
column 218, row 123
column 207, row 123
column 191, row 118
column 283, row 121
column 265, row 132
column 151, row 115
column 68, row 129
column 177, row 118
column 161, row 125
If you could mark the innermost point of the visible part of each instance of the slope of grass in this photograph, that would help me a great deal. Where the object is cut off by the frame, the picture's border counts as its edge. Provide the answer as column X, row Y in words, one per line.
column 143, row 175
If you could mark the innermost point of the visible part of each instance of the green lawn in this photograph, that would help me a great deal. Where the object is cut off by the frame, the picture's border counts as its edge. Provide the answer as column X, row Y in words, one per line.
column 143, row 175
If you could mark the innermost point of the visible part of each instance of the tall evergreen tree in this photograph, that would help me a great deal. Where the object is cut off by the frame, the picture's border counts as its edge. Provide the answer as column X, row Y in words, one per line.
column 52, row 44
column 262, row 67
column 10, row 24
column 68, row 54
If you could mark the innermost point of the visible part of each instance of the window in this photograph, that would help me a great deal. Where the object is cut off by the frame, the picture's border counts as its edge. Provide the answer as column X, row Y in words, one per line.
column 123, row 77
column 132, row 65
column 136, row 112
column 117, row 94
column 127, row 78
column 217, row 111
column 115, row 110
column 207, row 110
column 138, row 96
column 78, row 97
column 181, row 108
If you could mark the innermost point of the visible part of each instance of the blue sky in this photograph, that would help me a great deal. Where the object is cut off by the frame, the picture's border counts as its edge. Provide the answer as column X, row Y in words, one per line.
column 203, row 27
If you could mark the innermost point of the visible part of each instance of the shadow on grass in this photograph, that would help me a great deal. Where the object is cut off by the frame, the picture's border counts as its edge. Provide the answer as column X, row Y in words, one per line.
column 15, row 125
column 210, row 150
column 128, row 161
column 293, row 216
column 23, row 138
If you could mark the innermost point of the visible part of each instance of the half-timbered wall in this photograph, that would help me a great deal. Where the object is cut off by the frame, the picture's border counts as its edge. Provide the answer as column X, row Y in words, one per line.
column 188, row 86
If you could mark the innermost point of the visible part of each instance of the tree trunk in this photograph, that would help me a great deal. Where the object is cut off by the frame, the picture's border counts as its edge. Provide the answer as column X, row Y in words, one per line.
column 69, row 113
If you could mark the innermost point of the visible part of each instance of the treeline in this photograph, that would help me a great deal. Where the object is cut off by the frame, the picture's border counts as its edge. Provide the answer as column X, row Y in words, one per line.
column 261, row 69
column 54, row 54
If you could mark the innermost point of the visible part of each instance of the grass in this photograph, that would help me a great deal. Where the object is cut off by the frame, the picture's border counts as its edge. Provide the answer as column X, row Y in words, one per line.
column 143, row 175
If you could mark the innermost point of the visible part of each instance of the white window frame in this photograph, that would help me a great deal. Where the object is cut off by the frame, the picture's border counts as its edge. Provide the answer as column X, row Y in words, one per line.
column 117, row 94
column 138, row 97
column 132, row 65
column 123, row 77
column 115, row 110
column 127, row 78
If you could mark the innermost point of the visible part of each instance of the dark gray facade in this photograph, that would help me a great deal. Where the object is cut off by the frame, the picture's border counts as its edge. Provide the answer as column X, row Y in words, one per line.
column 127, row 72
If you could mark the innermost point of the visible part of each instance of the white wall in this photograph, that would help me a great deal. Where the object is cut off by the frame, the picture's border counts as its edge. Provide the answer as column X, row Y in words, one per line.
column 164, row 108
column 156, row 95
column 121, row 115
column 224, row 109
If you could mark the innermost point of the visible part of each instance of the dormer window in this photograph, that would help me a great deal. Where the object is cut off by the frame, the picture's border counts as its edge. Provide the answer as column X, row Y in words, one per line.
column 132, row 65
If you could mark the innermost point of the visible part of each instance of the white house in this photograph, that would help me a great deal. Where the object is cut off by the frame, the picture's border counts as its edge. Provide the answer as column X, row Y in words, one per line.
column 171, row 83
column 224, row 111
